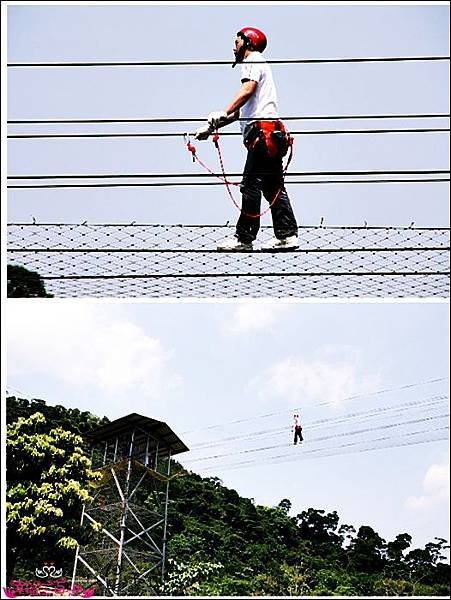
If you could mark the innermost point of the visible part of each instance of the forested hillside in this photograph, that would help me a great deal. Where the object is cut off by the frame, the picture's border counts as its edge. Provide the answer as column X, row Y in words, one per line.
column 219, row 542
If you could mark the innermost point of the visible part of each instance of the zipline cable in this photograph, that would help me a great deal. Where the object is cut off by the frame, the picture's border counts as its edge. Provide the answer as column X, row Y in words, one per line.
column 226, row 133
column 171, row 63
column 307, row 454
column 327, row 422
column 325, row 403
column 324, row 438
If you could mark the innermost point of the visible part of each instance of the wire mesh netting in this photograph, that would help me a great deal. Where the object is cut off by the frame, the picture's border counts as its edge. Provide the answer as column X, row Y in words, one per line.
column 182, row 261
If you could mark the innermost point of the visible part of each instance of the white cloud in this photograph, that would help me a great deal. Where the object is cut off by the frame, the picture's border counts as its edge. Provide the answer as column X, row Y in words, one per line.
column 253, row 316
column 85, row 344
column 435, row 485
column 332, row 377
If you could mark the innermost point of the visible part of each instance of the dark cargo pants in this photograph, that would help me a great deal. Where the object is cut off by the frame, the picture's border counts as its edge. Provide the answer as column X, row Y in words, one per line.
column 263, row 174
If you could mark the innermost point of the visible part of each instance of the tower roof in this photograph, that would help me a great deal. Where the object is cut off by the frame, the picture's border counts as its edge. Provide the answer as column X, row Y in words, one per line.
column 158, row 431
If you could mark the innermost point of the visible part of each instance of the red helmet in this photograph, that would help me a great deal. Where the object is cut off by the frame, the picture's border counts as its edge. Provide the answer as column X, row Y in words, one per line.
column 254, row 37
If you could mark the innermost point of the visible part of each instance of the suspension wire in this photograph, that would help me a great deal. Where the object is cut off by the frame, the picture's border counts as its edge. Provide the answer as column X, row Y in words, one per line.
column 287, row 433
column 227, row 133
column 325, row 403
column 216, row 183
column 208, row 175
column 397, row 435
column 38, row 250
column 184, row 63
column 156, row 276
column 201, row 119
column 216, row 226
column 326, row 422
column 324, row 437
column 309, row 454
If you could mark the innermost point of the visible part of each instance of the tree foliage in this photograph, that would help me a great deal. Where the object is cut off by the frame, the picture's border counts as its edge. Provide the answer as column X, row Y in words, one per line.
column 70, row 419
column 48, row 477
column 265, row 551
column 23, row 283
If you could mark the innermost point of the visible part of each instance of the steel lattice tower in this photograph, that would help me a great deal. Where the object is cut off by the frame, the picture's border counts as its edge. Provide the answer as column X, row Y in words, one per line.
column 129, row 507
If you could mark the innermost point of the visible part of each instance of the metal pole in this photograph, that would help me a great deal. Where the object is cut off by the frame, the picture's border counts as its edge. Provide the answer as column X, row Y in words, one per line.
column 105, row 453
column 124, row 516
column 165, row 526
column 77, row 551
column 156, row 456
column 115, row 449
column 146, row 457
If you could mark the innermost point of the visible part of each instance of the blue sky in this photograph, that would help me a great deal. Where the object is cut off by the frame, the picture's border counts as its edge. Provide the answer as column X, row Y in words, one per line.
column 197, row 365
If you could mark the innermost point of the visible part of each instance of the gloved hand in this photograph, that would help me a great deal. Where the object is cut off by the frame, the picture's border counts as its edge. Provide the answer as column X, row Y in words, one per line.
column 214, row 119
column 203, row 133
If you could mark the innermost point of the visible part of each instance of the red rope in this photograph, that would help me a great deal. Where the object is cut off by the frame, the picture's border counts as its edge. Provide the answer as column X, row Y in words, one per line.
column 215, row 140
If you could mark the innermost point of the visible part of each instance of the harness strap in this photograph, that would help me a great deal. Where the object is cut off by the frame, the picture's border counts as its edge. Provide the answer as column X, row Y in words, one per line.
column 224, row 179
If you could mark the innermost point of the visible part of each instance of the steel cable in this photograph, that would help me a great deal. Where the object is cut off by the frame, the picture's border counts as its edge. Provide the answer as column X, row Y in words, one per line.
column 354, row 447
column 184, row 63
column 325, row 422
column 227, row 133
column 202, row 119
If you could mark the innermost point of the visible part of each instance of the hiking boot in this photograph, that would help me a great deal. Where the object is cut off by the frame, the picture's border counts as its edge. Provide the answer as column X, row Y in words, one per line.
column 288, row 243
column 234, row 245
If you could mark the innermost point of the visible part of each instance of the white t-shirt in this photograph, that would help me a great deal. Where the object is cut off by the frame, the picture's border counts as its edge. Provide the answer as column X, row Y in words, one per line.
column 263, row 102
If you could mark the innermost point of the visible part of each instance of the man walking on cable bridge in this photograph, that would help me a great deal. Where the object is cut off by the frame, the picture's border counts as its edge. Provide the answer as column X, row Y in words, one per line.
column 267, row 141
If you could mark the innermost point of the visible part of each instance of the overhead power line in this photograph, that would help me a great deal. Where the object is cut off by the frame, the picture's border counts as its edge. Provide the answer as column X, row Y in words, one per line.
column 185, row 63
column 200, row 119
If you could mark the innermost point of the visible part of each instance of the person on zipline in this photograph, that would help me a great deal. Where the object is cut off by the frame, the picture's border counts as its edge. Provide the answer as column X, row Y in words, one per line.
column 297, row 428
column 267, row 141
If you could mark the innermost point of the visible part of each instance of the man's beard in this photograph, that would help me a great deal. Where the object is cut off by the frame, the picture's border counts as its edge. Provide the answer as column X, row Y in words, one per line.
column 239, row 56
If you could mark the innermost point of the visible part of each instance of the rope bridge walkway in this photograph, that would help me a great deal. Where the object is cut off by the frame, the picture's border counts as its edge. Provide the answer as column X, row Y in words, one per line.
column 173, row 261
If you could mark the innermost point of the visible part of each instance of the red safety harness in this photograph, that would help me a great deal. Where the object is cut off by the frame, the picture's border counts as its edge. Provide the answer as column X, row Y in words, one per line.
column 270, row 135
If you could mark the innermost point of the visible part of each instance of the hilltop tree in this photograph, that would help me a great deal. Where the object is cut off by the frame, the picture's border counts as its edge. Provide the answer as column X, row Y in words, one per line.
column 367, row 551
column 285, row 505
column 319, row 527
column 70, row 419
